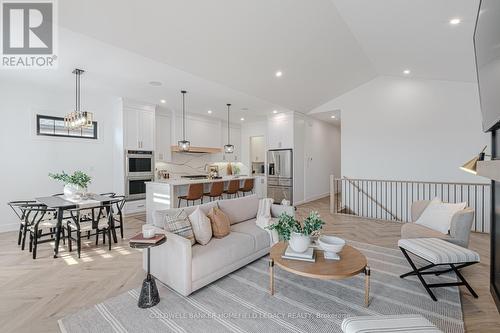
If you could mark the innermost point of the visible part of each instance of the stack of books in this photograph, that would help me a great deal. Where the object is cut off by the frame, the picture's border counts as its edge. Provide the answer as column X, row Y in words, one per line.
column 153, row 240
column 309, row 255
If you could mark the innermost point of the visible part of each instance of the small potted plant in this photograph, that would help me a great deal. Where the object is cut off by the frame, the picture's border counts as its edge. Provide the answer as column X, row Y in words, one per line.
column 298, row 235
column 75, row 185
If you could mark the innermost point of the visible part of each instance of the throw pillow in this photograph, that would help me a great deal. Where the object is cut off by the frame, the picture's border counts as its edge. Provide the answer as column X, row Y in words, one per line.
column 437, row 215
column 221, row 226
column 178, row 223
column 202, row 227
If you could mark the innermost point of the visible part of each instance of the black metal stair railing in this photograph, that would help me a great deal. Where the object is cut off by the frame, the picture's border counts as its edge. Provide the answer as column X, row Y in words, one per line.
column 392, row 199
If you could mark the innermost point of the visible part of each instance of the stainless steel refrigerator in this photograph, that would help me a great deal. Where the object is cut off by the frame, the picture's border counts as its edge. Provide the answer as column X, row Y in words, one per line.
column 280, row 175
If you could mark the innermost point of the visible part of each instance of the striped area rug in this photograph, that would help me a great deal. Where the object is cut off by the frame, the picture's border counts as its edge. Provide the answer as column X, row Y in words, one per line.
column 240, row 302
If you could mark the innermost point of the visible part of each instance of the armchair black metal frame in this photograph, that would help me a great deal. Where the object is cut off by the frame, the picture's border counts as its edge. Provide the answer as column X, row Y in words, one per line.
column 455, row 267
column 16, row 206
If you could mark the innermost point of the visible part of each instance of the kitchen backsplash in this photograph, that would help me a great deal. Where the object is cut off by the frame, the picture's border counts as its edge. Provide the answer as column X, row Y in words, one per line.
column 183, row 164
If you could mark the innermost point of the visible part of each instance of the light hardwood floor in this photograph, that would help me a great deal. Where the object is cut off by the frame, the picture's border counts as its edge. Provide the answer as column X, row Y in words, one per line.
column 35, row 293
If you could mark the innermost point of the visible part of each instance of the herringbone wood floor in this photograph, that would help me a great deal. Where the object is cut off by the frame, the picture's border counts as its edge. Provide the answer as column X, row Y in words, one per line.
column 35, row 293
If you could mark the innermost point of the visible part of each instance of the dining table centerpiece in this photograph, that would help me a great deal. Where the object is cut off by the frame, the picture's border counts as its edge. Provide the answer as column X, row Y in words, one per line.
column 75, row 185
column 298, row 235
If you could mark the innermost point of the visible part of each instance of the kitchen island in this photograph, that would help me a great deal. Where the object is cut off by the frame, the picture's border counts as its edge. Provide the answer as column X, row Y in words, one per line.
column 164, row 193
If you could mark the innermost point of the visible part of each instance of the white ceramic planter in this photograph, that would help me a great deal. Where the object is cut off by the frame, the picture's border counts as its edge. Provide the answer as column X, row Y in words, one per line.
column 72, row 191
column 299, row 242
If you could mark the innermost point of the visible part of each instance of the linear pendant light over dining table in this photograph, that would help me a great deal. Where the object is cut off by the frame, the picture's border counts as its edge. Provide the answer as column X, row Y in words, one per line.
column 184, row 145
column 229, row 148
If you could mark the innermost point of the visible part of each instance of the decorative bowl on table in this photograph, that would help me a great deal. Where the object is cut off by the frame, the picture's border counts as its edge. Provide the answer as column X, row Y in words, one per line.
column 331, row 246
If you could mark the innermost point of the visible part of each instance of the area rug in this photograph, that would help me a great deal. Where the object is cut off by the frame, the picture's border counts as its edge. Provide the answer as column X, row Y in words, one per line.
column 240, row 302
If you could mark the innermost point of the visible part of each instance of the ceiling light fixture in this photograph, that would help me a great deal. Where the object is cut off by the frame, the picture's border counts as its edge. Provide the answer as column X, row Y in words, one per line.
column 455, row 21
column 209, row 111
column 333, row 117
column 155, row 83
column 163, row 101
column 229, row 148
column 275, row 111
column 78, row 118
column 406, row 72
column 279, row 73
column 242, row 119
column 183, row 145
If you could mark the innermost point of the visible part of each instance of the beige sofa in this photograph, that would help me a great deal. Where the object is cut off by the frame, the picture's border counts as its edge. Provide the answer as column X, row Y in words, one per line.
column 187, row 268
column 460, row 227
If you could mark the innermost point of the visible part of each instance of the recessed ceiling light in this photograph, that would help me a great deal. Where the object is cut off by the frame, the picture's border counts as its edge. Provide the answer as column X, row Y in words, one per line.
column 209, row 111
column 163, row 101
column 244, row 109
column 333, row 117
column 406, row 72
column 155, row 83
column 455, row 21
column 242, row 119
column 275, row 111
column 279, row 73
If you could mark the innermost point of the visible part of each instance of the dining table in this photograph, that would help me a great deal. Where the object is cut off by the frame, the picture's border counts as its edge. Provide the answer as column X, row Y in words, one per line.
column 60, row 204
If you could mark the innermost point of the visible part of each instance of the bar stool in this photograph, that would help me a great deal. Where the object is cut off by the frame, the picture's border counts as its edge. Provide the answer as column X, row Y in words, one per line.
column 216, row 191
column 195, row 192
column 233, row 188
column 247, row 186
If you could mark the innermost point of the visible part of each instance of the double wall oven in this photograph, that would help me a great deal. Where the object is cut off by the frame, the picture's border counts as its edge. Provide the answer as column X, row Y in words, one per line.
column 139, row 169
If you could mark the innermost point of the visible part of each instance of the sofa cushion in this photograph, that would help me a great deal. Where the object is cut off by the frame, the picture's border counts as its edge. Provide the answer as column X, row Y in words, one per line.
column 202, row 227
column 220, row 223
column 240, row 209
column 260, row 236
column 159, row 215
column 179, row 224
column 437, row 215
column 220, row 252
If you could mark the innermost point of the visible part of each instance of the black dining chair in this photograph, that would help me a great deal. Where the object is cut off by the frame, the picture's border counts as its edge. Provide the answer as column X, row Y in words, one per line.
column 16, row 207
column 40, row 223
column 96, row 219
column 117, row 205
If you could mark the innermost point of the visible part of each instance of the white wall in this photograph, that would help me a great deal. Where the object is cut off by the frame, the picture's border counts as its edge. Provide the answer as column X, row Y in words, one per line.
column 409, row 129
column 27, row 158
column 322, row 157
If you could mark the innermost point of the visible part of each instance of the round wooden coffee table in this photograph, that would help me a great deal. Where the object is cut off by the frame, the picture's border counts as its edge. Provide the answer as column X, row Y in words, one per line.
column 351, row 263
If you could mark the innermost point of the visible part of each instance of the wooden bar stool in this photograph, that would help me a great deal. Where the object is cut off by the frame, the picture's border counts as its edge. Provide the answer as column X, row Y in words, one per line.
column 233, row 188
column 195, row 192
column 216, row 191
column 247, row 186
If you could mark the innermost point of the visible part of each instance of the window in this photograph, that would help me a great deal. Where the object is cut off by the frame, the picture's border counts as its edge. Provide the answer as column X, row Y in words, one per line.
column 54, row 126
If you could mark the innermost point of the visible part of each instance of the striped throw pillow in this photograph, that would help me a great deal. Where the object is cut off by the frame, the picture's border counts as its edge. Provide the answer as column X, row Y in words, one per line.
column 179, row 224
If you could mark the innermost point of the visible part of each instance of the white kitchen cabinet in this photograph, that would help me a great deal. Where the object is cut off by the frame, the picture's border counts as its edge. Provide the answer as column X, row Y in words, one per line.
column 163, row 138
column 138, row 129
column 257, row 149
column 280, row 131
column 201, row 132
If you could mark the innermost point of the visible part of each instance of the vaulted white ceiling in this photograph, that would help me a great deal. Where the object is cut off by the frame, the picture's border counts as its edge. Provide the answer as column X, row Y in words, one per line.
column 237, row 43
column 416, row 35
column 229, row 50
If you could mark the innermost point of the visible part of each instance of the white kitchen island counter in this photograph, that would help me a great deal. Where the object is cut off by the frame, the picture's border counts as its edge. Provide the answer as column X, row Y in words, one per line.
column 164, row 193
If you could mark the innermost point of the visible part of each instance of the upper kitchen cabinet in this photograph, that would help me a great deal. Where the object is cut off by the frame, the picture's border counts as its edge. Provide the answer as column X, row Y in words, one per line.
column 139, row 128
column 257, row 149
column 163, row 137
column 200, row 131
column 280, row 131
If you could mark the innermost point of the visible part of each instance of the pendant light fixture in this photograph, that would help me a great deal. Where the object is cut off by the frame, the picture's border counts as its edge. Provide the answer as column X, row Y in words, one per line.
column 78, row 118
column 229, row 148
column 184, row 145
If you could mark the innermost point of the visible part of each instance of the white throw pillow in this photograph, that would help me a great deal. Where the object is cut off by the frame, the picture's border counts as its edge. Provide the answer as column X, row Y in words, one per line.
column 202, row 227
column 437, row 215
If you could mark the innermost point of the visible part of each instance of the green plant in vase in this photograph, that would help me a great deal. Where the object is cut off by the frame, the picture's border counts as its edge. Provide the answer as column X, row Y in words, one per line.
column 75, row 185
column 298, row 235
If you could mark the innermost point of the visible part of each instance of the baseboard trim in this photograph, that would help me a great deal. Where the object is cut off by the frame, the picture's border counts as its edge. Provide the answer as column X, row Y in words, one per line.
column 9, row 227
column 314, row 198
